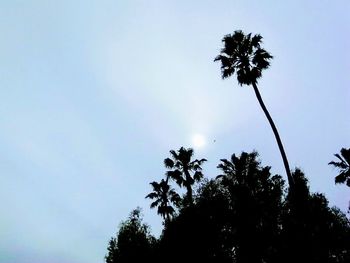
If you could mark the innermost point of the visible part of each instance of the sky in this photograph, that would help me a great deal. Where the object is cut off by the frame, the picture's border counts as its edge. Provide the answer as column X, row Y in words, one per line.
column 94, row 94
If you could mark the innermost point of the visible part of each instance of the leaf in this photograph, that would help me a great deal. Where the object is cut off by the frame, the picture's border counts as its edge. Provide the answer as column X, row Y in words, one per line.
column 197, row 176
column 152, row 195
column 168, row 163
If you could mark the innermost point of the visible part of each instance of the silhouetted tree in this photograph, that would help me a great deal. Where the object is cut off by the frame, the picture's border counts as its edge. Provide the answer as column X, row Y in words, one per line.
column 255, row 198
column 184, row 170
column 294, row 222
column 243, row 215
column 343, row 165
column 242, row 55
column 133, row 243
column 164, row 195
column 312, row 230
column 339, row 236
column 198, row 233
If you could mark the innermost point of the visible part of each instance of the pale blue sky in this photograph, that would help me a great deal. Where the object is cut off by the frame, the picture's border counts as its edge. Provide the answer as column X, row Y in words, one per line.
column 95, row 93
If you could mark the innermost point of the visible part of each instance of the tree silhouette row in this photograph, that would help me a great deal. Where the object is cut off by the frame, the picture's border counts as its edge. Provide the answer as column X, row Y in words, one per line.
column 245, row 214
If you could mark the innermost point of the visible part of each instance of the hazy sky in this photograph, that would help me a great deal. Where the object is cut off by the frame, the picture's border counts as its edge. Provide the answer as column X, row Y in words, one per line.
column 95, row 93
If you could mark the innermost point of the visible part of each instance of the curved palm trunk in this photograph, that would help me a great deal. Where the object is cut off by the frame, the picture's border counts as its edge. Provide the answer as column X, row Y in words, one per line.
column 275, row 132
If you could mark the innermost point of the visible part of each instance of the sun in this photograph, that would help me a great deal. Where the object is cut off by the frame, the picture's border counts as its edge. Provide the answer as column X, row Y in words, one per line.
column 198, row 141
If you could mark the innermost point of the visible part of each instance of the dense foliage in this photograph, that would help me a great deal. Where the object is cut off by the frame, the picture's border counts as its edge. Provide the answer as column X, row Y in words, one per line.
column 245, row 214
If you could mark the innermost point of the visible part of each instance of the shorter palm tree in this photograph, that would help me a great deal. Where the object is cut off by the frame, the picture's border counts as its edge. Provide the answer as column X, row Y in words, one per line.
column 238, row 169
column 164, row 195
column 183, row 170
column 343, row 165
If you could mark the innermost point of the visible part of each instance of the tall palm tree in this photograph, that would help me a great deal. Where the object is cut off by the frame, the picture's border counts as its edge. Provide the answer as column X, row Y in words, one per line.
column 184, row 170
column 164, row 195
column 242, row 55
column 343, row 165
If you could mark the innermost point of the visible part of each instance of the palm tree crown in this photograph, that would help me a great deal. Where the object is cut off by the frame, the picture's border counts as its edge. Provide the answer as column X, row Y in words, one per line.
column 243, row 55
column 239, row 168
column 181, row 166
column 164, row 195
column 343, row 165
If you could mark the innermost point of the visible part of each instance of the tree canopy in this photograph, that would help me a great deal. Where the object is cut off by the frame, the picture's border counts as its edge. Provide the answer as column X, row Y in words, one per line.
column 244, row 214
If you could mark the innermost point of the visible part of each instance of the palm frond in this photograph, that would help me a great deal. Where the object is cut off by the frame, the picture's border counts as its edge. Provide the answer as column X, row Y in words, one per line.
column 343, row 165
column 340, row 178
column 256, row 40
column 152, row 195
column 168, row 163
column 173, row 154
column 198, row 175
column 154, row 204
column 176, row 175
column 346, row 154
column 340, row 165
column 155, row 185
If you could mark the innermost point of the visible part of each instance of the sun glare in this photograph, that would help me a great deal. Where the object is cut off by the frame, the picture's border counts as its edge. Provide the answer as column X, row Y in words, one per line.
column 198, row 141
